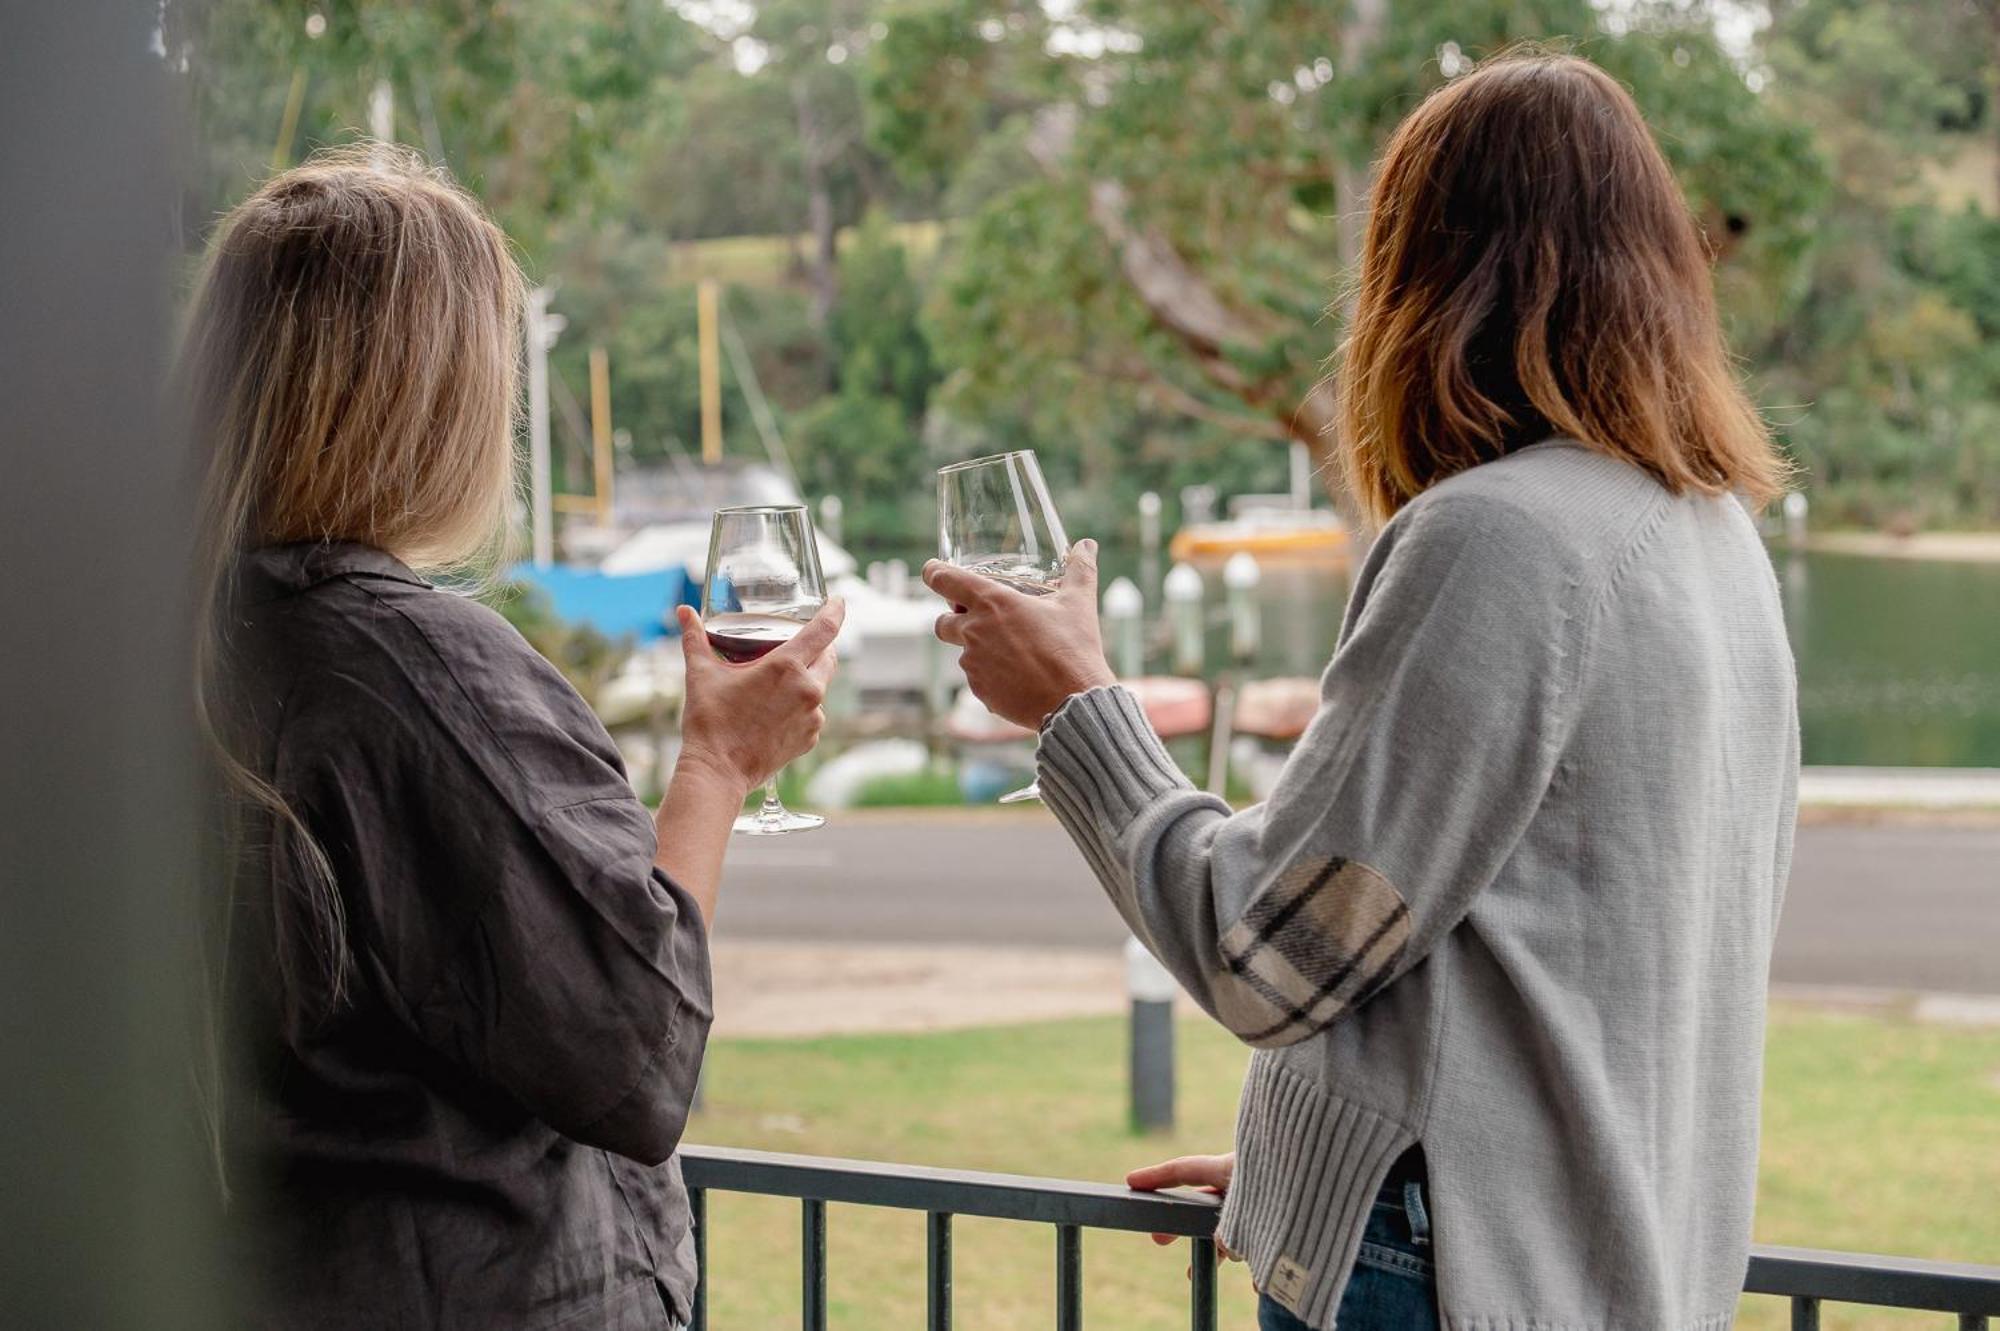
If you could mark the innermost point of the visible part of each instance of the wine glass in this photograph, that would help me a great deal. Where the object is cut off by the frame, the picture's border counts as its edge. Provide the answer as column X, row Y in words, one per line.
column 762, row 585
column 995, row 518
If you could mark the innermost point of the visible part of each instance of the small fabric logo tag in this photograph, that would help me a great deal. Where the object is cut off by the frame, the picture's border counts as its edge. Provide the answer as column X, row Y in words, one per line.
column 1288, row 1283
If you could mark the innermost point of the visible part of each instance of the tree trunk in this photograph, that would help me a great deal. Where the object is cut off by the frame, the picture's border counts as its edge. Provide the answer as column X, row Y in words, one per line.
column 1350, row 179
column 824, row 258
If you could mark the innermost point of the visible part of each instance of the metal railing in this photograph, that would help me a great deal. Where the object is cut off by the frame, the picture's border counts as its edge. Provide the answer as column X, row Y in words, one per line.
column 1807, row 1277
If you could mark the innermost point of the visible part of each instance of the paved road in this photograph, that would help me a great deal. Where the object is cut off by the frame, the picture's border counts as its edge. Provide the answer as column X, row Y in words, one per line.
column 1898, row 907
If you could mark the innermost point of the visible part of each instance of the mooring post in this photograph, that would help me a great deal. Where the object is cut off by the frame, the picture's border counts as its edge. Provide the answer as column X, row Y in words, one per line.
column 1152, row 1055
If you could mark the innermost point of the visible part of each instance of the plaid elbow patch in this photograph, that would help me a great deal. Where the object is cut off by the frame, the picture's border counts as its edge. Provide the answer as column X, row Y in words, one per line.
column 1317, row 941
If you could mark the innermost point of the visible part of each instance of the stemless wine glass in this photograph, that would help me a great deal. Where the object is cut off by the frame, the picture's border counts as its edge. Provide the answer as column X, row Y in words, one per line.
column 762, row 586
column 995, row 518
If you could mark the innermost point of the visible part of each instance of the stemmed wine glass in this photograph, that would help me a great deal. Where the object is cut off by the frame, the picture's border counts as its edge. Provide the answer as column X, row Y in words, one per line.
column 995, row 518
column 763, row 584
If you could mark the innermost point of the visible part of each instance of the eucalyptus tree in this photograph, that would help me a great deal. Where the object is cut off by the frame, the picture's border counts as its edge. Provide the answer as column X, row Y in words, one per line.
column 532, row 103
column 1163, row 197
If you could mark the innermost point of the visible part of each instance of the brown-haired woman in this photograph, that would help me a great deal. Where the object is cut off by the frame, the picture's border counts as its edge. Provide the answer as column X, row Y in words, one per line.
column 466, row 973
column 1502, row 931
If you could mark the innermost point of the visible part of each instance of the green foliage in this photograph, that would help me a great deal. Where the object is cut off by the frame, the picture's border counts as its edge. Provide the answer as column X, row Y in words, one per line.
column 1241, row 138
column 920, row 789
column 632, row 150
column 1886, row 369
column 864, row 442
column 587, row 658
column 528, row 100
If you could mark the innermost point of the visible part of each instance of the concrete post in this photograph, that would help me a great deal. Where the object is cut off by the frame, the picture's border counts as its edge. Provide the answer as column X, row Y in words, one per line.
column 1152, row 1053
column 541, row 328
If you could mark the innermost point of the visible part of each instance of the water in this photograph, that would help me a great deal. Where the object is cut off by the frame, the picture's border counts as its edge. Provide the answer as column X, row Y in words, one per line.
column 1899, row 659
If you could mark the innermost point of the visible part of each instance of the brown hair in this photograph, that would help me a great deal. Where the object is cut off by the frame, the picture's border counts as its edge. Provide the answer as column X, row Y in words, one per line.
column 1531, row 269
column 349, row 364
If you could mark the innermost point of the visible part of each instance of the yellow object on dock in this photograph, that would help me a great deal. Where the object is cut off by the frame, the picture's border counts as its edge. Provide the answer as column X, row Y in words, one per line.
column 1311, row 536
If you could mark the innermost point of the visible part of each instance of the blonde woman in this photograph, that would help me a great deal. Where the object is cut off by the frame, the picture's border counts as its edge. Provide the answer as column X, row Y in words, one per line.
column 1501, row 933
column 468, row 972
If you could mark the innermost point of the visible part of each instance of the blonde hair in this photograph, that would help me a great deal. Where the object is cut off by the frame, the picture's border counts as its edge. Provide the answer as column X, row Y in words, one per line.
column 1530, row 268
column 349, row 364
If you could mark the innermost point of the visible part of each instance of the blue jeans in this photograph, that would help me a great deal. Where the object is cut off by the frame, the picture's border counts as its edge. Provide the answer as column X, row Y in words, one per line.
column 1394, row 1286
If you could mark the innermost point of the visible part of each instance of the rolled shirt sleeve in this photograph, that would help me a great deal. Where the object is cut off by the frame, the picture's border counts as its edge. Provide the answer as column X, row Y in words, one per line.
column 1439, row 730
column 583, row 988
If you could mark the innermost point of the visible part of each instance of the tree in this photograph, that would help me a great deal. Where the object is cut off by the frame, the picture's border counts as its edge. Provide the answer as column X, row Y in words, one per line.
column 865, row 443
column 1884, row 368
column 1198, row 171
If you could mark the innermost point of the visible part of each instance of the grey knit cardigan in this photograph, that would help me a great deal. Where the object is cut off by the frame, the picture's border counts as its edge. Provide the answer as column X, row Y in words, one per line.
column 1513, row 898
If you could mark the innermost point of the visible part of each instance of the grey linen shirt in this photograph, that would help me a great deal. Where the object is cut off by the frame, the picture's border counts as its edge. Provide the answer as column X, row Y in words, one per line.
column 1513, row 897
column 482, row 1134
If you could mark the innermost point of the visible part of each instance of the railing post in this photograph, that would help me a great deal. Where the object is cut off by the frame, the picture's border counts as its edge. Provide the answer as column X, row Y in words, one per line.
column 1069, row 1278
column 812, row 1261
column 937, row 1263
column 1201, row 1284
column 698, row 1218
column 1807, row 1279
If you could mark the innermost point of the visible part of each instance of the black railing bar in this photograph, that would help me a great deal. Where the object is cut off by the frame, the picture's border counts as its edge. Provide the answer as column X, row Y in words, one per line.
column 1804, row 1272
column 1971, row 1322
column 937, row 1266
column 1805, row 1314
column 1201, row 1284
column 698, row 1219
column 1901, row 1282
column 1069, row 1278
column 911, row 1187
column 812, row 1264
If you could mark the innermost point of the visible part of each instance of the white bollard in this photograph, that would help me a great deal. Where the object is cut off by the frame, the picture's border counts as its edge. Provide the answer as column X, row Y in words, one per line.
column 1149, row 545
column 1240, row 577
column 1795, row 518
column 896, row 578
column 1125, row 627
column 1183, row 593
column 1197, row 504
column 830, row 513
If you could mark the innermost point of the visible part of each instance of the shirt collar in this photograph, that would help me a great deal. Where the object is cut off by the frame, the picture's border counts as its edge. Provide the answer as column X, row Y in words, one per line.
column 271, row 571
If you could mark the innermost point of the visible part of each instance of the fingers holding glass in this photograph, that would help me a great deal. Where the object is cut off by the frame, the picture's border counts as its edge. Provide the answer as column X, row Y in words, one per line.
column 996, row 522
column 762, row 590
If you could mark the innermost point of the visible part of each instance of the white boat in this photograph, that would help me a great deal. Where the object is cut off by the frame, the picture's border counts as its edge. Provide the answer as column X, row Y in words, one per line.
column 661, row 522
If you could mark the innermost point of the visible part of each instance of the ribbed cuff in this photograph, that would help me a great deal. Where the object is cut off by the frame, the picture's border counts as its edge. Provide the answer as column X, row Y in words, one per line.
column 1102, row 756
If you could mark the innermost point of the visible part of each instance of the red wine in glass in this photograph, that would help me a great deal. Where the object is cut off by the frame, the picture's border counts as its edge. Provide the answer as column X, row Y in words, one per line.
column 762, row 584
column 740, row 637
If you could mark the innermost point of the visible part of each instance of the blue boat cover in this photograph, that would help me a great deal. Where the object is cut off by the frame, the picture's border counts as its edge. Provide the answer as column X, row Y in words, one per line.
column 639, row 604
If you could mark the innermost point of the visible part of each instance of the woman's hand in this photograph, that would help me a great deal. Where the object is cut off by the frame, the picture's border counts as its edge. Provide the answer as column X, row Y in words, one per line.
column 1210, row 1173
column 1024, row 655
column 745, row 722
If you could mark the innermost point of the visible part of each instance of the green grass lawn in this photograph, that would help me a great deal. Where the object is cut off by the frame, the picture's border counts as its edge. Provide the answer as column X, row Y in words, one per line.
column 764, row 261
column 1879, row 1136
